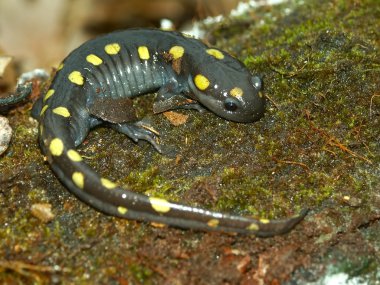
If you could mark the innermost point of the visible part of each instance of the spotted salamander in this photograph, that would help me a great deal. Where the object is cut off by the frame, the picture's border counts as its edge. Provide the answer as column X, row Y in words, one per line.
column 91, row 87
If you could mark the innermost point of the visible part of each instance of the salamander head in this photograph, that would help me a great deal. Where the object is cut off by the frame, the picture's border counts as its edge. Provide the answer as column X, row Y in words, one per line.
column 225, row 86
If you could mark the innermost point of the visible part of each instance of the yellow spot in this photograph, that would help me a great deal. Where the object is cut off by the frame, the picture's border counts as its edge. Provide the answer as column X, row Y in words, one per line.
column 253, row 227
column 76, row 78
column 41, row 129
column 107, row 183
column 94, row 59
column 261, row 95
column 73, row 155
column 347, row 198
column 264, row 221
column 213, row 223
column 49, row 94
column 44, row 109
column 122, row 210
column 215, row 53
column 112, row 49
column 177, row 52
column 201, row 82
column 160, row 205
column 60, row 66
column 62, row 111
column 236, row 92
column 143, row 52
column 78, row 179
column 56, row 147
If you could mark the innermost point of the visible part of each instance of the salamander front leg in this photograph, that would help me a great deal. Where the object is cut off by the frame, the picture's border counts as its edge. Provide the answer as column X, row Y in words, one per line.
column 172, row 96
column 139, row 131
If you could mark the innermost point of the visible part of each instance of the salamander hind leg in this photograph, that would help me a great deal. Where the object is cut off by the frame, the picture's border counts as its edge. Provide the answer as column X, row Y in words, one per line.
column 139, row 131
column 119, row 114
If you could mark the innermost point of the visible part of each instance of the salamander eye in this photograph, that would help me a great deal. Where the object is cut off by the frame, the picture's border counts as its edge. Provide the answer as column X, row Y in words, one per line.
column 230, row 105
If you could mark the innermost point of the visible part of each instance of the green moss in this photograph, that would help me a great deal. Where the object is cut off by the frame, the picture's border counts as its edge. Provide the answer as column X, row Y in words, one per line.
column 141, row 274
column 149, row 182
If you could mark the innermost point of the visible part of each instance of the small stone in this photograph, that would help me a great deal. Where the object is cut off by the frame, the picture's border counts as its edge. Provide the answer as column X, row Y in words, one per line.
column 5, row 134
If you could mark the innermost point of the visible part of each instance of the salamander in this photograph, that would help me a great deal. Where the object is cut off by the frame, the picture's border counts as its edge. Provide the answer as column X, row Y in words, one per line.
column 93, row 86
